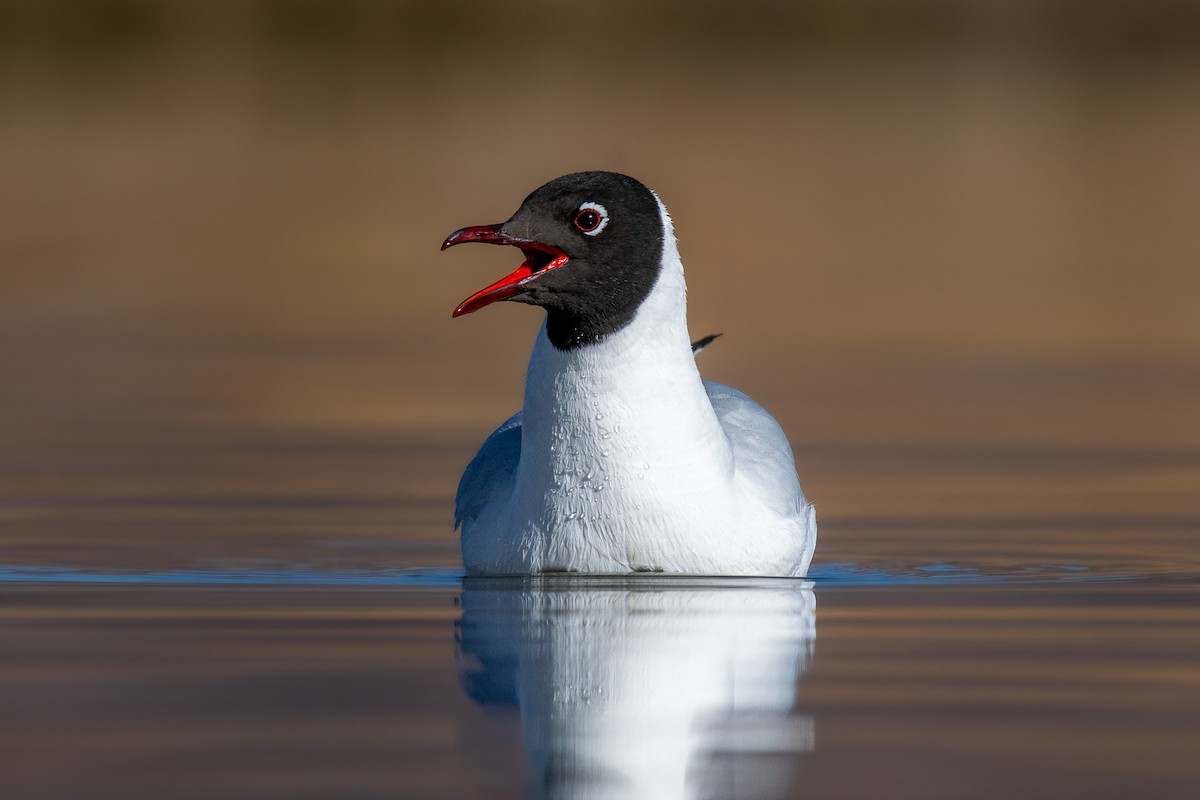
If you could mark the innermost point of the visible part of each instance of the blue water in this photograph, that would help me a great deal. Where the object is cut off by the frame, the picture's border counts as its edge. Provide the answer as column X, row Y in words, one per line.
column 843, row 575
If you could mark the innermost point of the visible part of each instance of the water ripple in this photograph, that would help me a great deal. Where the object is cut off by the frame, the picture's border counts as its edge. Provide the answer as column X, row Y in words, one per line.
column 825, row 576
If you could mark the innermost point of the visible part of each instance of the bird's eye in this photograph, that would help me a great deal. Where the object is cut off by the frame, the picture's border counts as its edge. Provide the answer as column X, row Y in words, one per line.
column 591, row 218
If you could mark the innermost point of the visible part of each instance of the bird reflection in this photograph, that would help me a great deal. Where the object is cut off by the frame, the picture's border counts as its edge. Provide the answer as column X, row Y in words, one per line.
column 643, row 687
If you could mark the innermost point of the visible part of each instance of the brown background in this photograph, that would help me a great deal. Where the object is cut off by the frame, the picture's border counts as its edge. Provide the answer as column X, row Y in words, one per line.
column 952, row 245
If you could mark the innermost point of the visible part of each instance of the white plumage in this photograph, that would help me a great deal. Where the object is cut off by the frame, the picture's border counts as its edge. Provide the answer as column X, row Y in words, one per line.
column 624, row 460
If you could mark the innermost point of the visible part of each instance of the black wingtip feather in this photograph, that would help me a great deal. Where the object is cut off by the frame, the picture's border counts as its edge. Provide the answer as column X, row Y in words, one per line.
column 700, row 344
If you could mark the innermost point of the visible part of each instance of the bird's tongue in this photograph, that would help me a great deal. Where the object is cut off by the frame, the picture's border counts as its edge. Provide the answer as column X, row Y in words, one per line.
column 539, row 258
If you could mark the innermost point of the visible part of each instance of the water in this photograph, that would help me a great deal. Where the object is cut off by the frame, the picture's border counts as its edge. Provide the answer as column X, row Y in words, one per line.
column 244, row 609
column 953, row 250
column 309, row 682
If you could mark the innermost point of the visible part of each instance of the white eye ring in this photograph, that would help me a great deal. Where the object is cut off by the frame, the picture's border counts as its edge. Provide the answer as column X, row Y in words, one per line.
column 600, row 211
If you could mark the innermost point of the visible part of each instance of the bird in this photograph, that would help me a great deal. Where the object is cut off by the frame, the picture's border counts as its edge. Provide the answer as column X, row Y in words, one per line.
column 623, row 459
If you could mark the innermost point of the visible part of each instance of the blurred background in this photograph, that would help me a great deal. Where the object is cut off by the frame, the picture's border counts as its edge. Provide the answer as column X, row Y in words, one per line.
column 952, row 245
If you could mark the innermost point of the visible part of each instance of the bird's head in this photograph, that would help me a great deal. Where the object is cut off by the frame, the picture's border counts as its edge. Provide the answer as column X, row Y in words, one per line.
column 593, row 246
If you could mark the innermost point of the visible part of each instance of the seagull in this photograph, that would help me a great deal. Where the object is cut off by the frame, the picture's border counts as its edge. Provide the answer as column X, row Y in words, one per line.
column 623, row 460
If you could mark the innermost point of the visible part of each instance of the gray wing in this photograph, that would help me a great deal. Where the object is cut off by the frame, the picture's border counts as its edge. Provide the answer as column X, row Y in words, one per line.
column 761, row 451
column 490, row 474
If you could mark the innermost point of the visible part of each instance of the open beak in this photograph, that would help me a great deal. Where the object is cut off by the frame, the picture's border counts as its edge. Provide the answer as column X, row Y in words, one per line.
column 539, row 259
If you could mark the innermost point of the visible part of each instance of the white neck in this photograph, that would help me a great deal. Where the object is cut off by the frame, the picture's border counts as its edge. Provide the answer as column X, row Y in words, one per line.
column 607, row 425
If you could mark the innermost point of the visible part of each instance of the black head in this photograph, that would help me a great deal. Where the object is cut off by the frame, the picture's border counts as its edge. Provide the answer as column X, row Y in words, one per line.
column 593, row 244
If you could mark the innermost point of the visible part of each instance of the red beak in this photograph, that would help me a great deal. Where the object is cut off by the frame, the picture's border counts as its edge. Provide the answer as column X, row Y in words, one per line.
column 536, row 263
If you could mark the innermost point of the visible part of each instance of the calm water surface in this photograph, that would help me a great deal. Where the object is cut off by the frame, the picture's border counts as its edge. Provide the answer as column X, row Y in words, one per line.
column 860, row 683
column 254, row 611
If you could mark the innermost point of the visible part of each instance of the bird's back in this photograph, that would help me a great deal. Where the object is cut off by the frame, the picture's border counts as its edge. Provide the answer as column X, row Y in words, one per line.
column 762, row 455
column 765, row 471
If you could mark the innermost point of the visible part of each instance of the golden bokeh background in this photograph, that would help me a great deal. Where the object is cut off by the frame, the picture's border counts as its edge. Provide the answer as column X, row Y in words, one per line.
column 952, row 245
